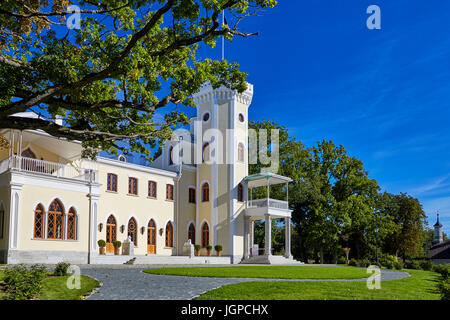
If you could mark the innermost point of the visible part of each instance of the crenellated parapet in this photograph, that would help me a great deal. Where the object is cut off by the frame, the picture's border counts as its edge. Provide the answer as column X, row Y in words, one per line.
column 207, row 94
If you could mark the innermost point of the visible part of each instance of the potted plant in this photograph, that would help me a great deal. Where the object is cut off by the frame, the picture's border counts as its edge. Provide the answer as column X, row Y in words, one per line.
column 117, row 245
column 101, row 245
column 218, row 249
column 197, row 248
column 209, row 249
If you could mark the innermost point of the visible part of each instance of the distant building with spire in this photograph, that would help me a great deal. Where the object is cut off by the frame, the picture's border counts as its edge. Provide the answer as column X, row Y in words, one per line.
column 438, row 237
column 440, row 251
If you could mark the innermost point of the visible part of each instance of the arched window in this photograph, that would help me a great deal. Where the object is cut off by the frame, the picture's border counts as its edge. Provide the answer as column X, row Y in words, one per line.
column 133, row 230
column 241, row 152
column 38, row 232
column 191, row 233
column 169, row 235
column 55, row 220
column 205, row 192
column 171, row 156
column 206, row 152
column 27, row 153
column 151, row 237
column 240, row 193
column 111, row 233
column 27, row 163
column 71, row 224
column 205, row 235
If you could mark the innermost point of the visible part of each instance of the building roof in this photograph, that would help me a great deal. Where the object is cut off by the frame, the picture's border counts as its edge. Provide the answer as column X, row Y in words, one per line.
column 438, row 224
column 440, row 251
column 264, row 179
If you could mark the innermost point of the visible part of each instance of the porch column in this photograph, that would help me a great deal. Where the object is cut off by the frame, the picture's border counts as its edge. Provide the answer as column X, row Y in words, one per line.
column 246, row 237
column 268, row 228
column 252, row 236
column 287, row 236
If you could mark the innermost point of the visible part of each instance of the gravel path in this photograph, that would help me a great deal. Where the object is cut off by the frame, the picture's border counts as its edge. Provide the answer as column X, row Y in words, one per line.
column 133, row 284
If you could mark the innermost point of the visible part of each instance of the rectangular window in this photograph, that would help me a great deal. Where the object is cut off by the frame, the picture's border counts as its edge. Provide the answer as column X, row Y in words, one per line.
column 111, row 184
column 132, row 186
column 192, row 195
column 169, row 192
column 152, row 189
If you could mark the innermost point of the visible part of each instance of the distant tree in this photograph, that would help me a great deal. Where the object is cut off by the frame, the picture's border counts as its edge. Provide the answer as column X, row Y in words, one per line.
column 408, row 214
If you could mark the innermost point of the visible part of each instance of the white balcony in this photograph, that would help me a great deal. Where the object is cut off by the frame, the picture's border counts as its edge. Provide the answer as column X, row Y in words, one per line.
column 276, row 208
column 47, row 168
column 257, row 209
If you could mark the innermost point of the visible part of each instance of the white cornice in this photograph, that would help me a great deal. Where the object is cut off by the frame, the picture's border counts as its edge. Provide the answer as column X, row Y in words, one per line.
column 207, row 94
column 131, row 166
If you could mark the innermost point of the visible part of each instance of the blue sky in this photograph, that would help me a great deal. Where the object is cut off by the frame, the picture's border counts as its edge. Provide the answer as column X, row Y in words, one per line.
column 383, row 94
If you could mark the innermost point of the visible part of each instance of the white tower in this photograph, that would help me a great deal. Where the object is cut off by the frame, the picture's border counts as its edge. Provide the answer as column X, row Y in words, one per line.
column 222, row 127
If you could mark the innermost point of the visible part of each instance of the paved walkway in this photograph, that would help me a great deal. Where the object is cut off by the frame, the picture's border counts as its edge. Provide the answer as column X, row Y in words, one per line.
column 133, row 284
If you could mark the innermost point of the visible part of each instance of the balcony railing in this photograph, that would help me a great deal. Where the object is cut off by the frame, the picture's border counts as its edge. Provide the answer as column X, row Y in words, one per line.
column 48, row 168
column 268, row 203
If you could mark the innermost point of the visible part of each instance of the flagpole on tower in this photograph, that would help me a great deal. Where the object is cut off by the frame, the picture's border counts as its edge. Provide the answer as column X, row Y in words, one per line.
column 223, row 36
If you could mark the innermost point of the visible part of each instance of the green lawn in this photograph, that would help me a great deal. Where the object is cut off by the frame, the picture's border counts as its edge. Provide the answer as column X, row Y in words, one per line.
column 266, row 272
column 420, row 286
column 55, row 288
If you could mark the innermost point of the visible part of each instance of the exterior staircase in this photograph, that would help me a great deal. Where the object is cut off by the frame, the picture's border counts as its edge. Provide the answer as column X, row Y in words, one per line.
column 274, row 260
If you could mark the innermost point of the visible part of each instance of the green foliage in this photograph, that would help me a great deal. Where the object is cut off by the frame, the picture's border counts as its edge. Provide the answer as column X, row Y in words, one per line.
column 341, row 260
column 61, row 269
column 22, row 283
column 442, row 269
column 408, row 214
column 426, row 264
column 117, row 244
column 353, row 263
column 197, row 247
column 398, row 265
column 444, row 289
column 101, row 243
column 218, row 248
column 363, row 263
column 412, row 264
column 336, row 205
column 209, row 247
column 121, row 75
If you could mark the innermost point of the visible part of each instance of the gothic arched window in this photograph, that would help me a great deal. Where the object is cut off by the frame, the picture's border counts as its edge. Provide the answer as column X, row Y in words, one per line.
column 133, row 230
column 55, row 220
column 205, row 235
column 169, row 235
column 38, row 232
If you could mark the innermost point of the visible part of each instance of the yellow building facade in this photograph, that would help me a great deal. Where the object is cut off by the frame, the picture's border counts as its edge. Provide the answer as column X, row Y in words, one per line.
column 56, row 206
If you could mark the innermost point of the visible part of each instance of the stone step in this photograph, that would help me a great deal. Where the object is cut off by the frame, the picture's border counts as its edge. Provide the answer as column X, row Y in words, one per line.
column 276, row 260
column 158, row 260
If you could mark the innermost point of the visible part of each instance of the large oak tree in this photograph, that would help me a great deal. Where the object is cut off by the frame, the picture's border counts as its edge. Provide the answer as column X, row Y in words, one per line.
column 107, row 79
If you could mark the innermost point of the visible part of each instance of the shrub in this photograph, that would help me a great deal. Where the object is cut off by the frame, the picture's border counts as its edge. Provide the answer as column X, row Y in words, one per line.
column 341, row 260
column 412, row 264
column 426, row 265
column 22, row 283
column 352, row 263
column 218, row 248
column 197, row 247
column 444, row 288
column 209, row 247
column 61, row 269
column 443, row 270
column 117, row 244
column 398, row 265
column 363, row 263
column 101, row 243
column 388, row 261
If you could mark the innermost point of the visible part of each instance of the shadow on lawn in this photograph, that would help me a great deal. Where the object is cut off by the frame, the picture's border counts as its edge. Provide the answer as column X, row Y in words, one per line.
column 437, row 278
